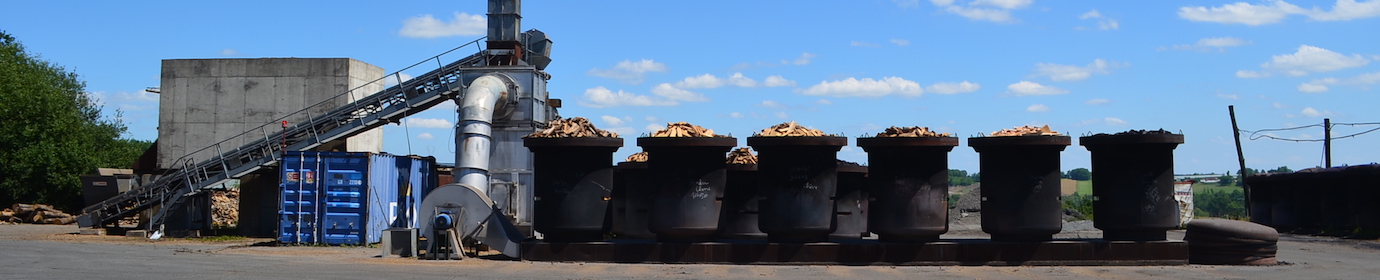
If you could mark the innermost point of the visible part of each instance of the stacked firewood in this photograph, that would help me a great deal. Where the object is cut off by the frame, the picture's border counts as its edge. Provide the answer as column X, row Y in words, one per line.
column 911, row 131
column 742, row 156
column 638, row 157
column 35, row 214
column 789, row 129
column 684, row 129
column 1025, row 130
column 572, row 127
column 225, row 208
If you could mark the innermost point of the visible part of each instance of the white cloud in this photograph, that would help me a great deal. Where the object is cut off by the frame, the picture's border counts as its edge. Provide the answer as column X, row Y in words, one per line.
column 612, row 120
column 229, row 52
column 1313, row 59
column 804, row 58
column 782, row 115
column 1312, row 88
column 600, row 97
column 629, row 72
column 701, row 81
column 1103, row 23
column 669, row 92
column 993, row 15
column 1090, row 14
column 777, row 81
column 953, row 88
column 735, row 115
column 653, row 127
column 1004, row 4
column 652, row 119
column 427, row 27
column 772, row 104
column 866, row 87
column 863, row 44
column 1028, row 88
column 1219, row 43
column 1114, row 121
column 824, row 102
column 1313, row 113
column 425, row 136
column 1060, row 72
column 393, row 80
column 1251, row 74
column 1270, row 12
column 900, row 42
column 739, row 80
column 1096, row 101
column 429, row 123
column 1037, row 108
column 999, row 11
column 1278, row 105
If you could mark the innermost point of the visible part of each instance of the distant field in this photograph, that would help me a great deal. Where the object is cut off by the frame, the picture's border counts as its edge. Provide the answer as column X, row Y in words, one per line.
column 1085, row 187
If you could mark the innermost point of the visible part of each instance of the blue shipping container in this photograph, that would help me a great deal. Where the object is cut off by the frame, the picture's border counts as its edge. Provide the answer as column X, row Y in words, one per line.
column 349, row 198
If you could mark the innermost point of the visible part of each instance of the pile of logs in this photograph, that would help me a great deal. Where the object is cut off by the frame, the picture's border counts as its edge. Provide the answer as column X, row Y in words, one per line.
column 684, row 129
column 638, row 157
column 225, row 208
column 572, row 127
column 911, row 131
column 742, row 156
column 35, row 214
column 1025, row 130
column 789, row 129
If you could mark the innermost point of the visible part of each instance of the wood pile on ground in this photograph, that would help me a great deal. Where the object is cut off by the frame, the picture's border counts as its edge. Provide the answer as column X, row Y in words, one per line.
column 742, row 156
column 1025, row 130
column 684, row 129
column 225, row 208
column 572, row 127
column 35, row 214
column 911, row 131
column 789, row 129
column 638, row 157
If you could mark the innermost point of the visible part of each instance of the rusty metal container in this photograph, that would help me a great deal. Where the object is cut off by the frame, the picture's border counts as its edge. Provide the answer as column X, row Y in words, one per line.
column 798, row 178
column 1133, row 184
column 630, row 201
column 739, row 216
column 572, row 187
column 908, row 186
column 1336, row 217
column 686, row 176
column 1263, row 198
column 1020, row 186
column 1302, row 196
column 1363, row 188
column 850, row 202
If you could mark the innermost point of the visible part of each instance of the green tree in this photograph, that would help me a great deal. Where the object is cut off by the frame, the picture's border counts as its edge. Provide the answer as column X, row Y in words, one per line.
column 1080, row 174
column 959, row 178
column 1221, row 204
column 1226, row 180
column 53, row 131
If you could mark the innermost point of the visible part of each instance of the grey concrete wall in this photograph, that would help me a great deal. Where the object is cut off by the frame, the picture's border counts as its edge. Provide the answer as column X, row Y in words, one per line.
column 206, row 101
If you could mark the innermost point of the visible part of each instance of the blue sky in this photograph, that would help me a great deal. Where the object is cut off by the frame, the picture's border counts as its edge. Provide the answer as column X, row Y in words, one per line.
column 848, row 67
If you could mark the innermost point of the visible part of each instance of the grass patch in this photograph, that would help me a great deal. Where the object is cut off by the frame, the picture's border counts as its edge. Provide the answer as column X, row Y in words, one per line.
column 1198, row 188
column 1084, row 187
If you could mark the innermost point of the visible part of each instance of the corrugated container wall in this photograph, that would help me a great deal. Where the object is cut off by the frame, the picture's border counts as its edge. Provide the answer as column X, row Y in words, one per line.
column 350, row 198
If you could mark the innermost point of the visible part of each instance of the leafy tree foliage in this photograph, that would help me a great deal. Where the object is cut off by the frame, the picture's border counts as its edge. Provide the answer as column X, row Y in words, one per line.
column 1081, row 202
column 1080, row 174
column 961, row 178
column 1221, row 204
column 53, row 131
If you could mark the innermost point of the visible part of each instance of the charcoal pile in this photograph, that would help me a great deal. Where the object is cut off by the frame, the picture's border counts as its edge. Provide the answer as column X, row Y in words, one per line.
column 35, row 214
column 685, row 129
column 741, row 156
column 789, row 129
column 225, row 208
column 1025, row 130
column 910, row 131
column 638, row 157
column 572, row 127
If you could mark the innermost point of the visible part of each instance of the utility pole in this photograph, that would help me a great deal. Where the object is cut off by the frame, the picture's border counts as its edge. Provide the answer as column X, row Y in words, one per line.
column 1327, row 142
column 1240, row 158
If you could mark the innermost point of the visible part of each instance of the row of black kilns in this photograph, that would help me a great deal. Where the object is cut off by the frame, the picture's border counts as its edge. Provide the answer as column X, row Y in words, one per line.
column 1334, row 201
column 799, row 192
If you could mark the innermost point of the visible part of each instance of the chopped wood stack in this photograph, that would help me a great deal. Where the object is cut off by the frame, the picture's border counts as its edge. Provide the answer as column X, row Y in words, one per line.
column 1025, row 130
column 742, row 156
column 684, row 129
column 638, row 157
column 572, row 127
column 789, row 129
column 35, row 214
column 225, row 208
column 911, row 131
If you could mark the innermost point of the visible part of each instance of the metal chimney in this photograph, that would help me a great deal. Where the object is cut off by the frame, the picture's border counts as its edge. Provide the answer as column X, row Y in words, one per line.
column 505, row 20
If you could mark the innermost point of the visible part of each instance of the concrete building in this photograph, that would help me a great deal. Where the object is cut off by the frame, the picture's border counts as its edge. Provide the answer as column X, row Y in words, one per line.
column 207, row 101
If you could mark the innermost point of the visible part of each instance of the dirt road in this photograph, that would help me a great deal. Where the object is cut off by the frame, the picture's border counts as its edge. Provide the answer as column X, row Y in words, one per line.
column 53, row 252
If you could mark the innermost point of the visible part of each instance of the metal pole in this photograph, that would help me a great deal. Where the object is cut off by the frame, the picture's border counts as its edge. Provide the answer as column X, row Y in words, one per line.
column 1240, row 158
column 1327, row 142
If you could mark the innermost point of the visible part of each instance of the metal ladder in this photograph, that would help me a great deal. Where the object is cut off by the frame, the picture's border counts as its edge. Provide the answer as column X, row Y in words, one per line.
column 394, row 103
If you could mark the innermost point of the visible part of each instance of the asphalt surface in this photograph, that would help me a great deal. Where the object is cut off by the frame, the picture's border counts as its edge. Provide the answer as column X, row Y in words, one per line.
column 56, row 252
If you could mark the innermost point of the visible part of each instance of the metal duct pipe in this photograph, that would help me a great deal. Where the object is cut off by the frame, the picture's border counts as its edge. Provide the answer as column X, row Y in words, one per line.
column 477, row 108
column 505, row 20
